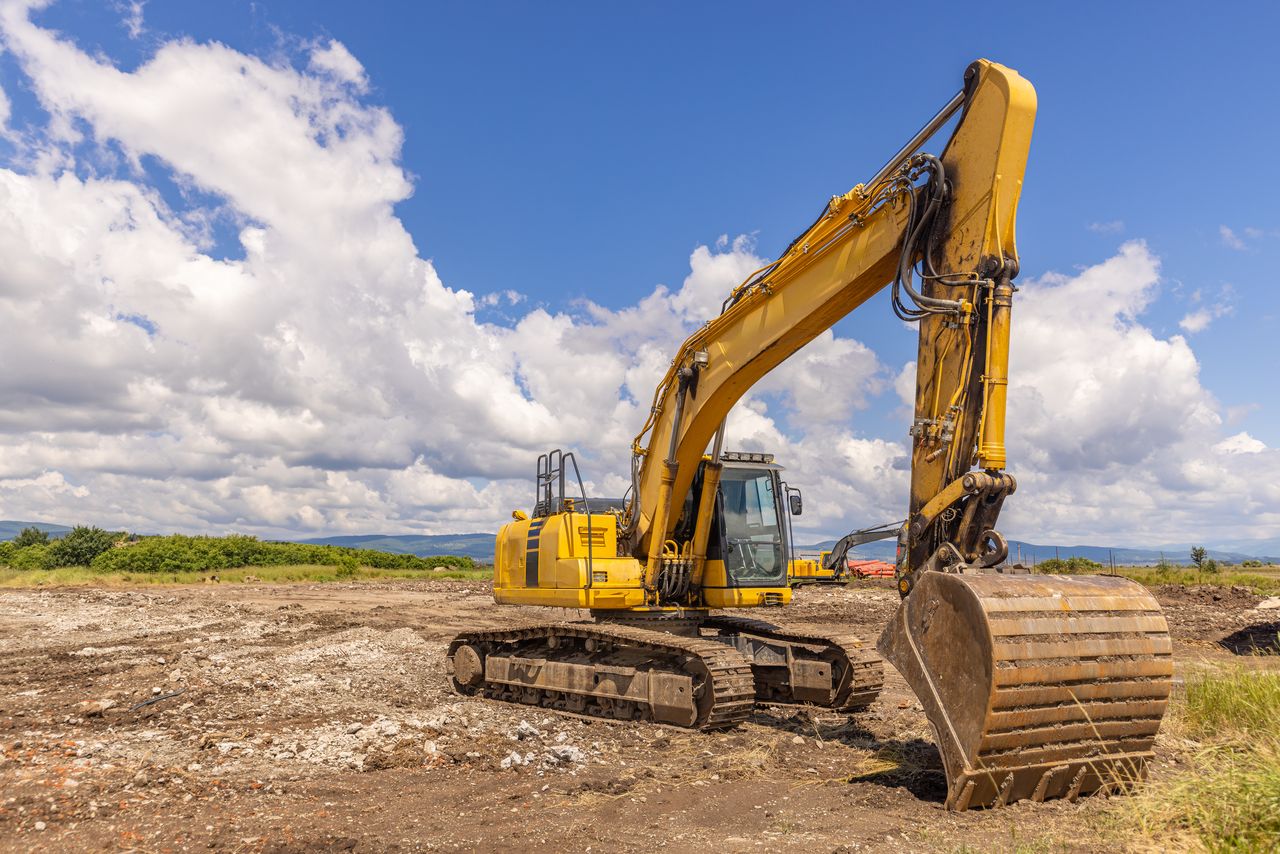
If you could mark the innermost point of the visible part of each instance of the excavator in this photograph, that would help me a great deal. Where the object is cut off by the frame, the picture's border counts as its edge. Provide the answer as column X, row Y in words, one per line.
column 832, row 565
column 1035, row 686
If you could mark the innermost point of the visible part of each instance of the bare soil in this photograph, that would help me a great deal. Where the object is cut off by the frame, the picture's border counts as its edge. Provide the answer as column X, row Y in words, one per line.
column 312, row 717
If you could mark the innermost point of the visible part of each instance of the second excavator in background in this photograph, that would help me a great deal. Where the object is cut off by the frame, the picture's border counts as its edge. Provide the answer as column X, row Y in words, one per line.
column 832, row 566
column 1035, row 686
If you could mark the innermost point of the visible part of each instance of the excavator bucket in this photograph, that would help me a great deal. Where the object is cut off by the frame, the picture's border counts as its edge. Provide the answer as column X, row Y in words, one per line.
column 1036, row 686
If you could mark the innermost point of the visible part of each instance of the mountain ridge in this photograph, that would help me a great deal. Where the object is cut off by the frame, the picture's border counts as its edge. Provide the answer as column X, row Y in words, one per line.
column 480, row 547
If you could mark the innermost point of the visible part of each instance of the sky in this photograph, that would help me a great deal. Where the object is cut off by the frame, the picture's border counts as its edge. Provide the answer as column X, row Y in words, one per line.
column 290, row 268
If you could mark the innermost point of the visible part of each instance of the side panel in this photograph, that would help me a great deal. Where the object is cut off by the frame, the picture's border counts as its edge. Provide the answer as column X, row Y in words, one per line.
column 717, row 594
column 543, row 561
column 509, row 555
column 746, row 597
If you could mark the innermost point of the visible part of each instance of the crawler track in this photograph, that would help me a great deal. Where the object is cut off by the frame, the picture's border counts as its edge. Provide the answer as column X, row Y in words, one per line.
column 857, row 670
column 608, row 671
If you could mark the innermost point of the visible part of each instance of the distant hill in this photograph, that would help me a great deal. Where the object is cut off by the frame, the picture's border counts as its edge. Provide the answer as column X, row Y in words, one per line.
column 480, row 547
column 10, row 528
column 1027, row 552
column 476, row 546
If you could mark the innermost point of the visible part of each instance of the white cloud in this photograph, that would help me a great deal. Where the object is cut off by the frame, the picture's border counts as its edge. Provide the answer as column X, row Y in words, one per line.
column 1230, row 239
column 133, row 22
column 324, row 377
column 1114, row 226
column 328, row 378
column 1197, row 321
column 1240, row 443
column 334, row 59
column 1109, row 424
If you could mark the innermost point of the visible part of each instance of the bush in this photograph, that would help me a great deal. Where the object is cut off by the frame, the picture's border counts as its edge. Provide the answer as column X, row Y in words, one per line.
column 31, row 557
column 30, row 537
column 1070, row 566
column 180, row 553
column 82, row 545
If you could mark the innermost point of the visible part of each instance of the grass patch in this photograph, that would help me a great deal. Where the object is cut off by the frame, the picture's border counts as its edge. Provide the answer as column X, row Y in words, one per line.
column 1229, row 798
column 1234, row 703
column 1262, row 583
column 81, row 576
column 1228, row 802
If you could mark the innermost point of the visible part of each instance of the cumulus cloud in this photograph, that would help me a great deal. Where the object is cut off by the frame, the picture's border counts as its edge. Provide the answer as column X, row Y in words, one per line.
column 1109, row 423
column 1240, row 443
column 312, row 371
column 326, row 378
column 1230, row 239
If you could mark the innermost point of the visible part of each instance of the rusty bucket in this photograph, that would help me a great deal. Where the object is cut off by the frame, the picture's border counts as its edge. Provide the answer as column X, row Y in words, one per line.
column 1036, row 686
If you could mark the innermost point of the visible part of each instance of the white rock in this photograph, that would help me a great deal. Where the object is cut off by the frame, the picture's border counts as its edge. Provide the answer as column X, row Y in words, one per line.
column 1269, row 604
column 565, row 753
column 385, row 727
column 513, row 759
column 525, row 730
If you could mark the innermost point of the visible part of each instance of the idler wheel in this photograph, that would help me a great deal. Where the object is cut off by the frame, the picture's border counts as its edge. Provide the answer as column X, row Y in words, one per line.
column 468, row 666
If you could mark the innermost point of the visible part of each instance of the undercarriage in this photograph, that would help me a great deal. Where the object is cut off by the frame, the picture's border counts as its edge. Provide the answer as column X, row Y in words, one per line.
column 699, row 672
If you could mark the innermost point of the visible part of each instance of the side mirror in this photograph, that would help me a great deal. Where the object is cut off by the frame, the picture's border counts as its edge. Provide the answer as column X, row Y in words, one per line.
column 797, row 505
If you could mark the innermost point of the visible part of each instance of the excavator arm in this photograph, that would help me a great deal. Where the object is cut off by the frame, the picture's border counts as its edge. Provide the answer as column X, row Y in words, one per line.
column 837, row 558
column 954, row 217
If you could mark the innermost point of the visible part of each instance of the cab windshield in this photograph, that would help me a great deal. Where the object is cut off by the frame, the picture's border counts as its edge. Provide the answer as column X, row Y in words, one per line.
column 753, row 548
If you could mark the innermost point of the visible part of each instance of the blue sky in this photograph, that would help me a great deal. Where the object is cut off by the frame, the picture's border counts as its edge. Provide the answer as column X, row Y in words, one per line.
column 583, row 151
column 591, row 146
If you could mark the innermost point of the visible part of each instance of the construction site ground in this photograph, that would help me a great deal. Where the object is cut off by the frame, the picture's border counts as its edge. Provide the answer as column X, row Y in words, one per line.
column 314, row 717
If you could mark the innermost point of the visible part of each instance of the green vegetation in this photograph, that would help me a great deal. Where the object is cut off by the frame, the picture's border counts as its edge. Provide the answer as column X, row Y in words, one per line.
column 1229, row 800
column 1235, row 703
column 30, row 537
column 179, row 553
column 1070, row 566
column 81, row 576
column 1260, row 583
column 93, row 552
column 32, row 548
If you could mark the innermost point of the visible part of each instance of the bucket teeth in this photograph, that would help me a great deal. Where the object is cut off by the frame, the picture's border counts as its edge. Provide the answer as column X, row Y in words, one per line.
column 1036, row 686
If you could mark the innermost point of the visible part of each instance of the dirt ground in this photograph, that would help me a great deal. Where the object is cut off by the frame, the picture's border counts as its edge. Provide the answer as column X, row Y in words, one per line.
column 319, row 717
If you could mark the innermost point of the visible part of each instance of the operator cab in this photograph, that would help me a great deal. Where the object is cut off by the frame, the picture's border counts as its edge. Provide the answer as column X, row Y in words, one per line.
column 749, row 530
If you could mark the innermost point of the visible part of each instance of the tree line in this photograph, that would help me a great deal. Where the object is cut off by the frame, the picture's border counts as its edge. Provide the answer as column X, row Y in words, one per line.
column 118, row 551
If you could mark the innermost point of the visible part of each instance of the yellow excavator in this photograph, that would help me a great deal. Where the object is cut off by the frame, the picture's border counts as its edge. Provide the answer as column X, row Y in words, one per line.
column 831, row 566
column 1036, row 686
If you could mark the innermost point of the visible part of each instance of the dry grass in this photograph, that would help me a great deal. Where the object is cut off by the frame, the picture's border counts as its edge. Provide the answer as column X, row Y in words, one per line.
column 1265, row 582
column 1228, row 799
column 79, row 576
